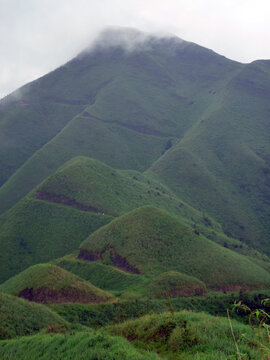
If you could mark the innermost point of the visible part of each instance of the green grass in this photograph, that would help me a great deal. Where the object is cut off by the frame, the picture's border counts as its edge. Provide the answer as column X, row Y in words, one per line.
column 86, row 345
column 106, row 277
column 221, row 165
column 187, row 335
column 19, row 317
column 26, row 128
column 153, row 242
column 100, row 315
column 175, row 284
column 52, row 278
column 114, row 192
column 214, row 303
column 35, row 231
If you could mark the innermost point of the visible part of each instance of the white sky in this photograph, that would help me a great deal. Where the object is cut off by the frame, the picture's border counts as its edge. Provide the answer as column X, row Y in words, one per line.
column 37, row 36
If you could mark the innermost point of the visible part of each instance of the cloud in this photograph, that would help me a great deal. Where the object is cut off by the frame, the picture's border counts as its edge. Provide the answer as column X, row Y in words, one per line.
column 36, row 36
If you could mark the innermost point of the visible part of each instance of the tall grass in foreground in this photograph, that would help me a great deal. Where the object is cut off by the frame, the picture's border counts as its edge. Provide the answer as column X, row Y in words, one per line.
column 187, row 335
column 81, row 346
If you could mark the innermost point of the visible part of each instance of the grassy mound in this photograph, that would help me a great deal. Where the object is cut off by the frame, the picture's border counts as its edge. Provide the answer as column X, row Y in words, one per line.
column 83, row 345
column 104, row 276
column 186, row 335
column 91, row 185
column 19, row 317
column 35, row 231
column 46, row 283
column 175, row 284
column 150, row 241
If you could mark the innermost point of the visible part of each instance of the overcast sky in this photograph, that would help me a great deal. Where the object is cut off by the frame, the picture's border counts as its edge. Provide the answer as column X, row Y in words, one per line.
column 37, row 36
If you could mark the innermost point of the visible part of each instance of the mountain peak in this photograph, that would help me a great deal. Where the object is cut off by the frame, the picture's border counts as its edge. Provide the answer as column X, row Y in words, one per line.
column 131, row 39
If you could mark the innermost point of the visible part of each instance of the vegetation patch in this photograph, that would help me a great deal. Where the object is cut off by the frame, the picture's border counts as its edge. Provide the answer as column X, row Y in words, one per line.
column 116, row 259
column 65, row 201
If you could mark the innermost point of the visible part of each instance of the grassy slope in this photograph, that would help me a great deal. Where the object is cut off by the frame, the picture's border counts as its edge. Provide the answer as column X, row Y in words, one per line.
column 54, row 278
column 187, row 335
column 153, row 242
column 104, row 276
column 139, row 103
column 126, row 285
column 26, row 127
column 221, row 165
column 175, row 284
column 92, row 183
column 35, row 231
column 114, row 192
column 19, row 317
column 86, row 345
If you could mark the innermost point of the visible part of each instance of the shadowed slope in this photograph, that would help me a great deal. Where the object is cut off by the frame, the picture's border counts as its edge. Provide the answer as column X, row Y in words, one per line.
column 35, row 231
column 19, row 317
column 222, row 164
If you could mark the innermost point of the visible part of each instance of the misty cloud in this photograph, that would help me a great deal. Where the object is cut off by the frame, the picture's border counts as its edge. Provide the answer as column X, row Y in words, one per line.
column 37, row 36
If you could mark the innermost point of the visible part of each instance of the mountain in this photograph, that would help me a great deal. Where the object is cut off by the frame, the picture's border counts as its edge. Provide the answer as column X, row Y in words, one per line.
column 137, row 172
column 186, row 116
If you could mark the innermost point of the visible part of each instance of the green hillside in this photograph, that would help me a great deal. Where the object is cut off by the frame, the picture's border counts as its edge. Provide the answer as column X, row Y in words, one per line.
column 187, row 335
column 106, row 277
column 47, row 283
column 175, row 284
column 150, row 241
column 86, row 345
column 90, row 185
column 18, row 317
column 135, row 105
column 75, row 201
column 221, row 165
column 35, row 231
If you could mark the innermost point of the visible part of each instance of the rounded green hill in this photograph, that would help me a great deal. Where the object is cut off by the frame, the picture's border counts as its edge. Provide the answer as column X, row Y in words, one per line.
column 46, row 283
column 175, row 284
column 151, row 241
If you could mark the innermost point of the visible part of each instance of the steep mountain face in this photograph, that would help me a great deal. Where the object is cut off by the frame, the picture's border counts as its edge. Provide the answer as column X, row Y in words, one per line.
column 182, row 114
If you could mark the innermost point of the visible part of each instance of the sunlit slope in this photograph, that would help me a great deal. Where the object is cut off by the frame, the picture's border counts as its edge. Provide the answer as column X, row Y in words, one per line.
column 133, row 105
column 47, row 283
column 35, row 231
column 150, row 241
column 222, row 164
